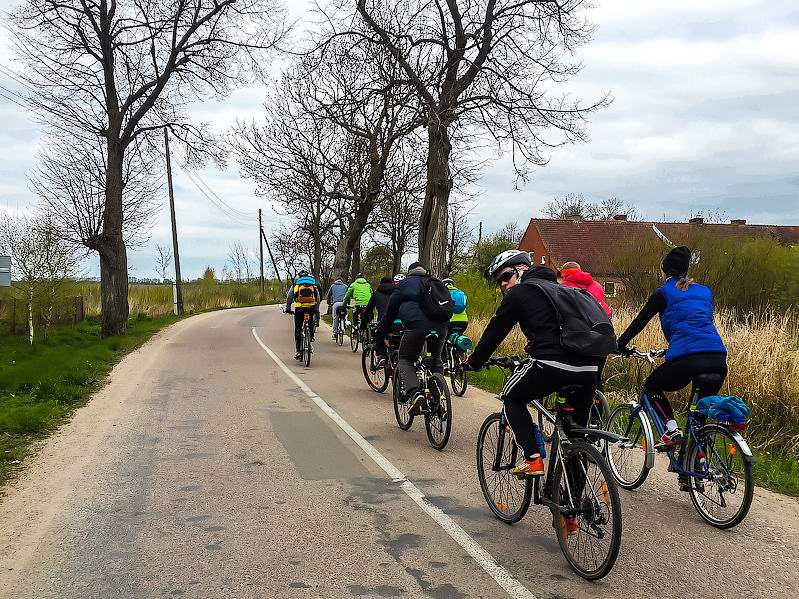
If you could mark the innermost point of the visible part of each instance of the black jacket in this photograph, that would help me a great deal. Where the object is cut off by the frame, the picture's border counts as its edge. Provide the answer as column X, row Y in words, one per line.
column 378, row 301
column 404, row 304
column 527, row 306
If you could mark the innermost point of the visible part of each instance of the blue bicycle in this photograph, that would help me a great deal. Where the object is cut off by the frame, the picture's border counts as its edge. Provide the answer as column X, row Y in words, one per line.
column 714, row 462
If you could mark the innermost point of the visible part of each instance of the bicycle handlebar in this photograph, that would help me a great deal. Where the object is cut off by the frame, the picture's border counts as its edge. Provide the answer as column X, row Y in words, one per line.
column 649, row 356
column 510, row 362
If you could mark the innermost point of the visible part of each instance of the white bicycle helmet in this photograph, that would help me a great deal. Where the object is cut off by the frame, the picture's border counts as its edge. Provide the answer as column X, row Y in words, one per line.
column 508, row 258
column 448, row 282
column 399, row 277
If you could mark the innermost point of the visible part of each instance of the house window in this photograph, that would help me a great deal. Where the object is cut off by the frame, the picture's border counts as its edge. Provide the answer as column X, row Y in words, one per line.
column 543, row 260
column 610, row 289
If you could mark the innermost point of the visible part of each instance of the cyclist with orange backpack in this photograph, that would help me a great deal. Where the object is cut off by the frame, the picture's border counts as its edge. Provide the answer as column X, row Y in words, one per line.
column 304, row 298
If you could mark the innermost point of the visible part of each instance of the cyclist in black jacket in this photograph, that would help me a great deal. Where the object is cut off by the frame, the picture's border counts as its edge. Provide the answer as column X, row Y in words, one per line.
column 550, row 368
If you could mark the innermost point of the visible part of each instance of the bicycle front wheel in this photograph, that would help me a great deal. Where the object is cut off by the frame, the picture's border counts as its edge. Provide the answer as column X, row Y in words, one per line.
column 508, row 497
column 588, row 518
column 723, row 498
column 354, row 339
column 438, row 418
column 402, row 409
column 628, row 460
column 376, row 378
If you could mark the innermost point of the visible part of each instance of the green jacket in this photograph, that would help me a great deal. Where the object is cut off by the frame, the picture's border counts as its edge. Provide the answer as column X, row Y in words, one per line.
column 361, row 290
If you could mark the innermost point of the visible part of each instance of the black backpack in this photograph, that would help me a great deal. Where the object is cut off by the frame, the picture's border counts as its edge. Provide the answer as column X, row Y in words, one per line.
column 435, row 299
column 585, row 328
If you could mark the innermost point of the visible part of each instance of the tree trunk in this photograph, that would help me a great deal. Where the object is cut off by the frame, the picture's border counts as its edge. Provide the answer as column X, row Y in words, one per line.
column 316, row 266
column 433, row 223
column 30, row 315
column 113, row 254
column 346, row 246
column 356, row 258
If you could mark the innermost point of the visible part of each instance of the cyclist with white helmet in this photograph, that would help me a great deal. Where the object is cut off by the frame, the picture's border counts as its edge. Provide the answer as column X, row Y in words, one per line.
column 460, row 319
column 550, row 368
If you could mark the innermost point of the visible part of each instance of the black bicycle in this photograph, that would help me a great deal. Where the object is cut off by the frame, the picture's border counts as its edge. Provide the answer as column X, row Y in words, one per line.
column 578, row 487
column 453, row 365
column 358, row 338
column 342, row 322
column 306, row 343
column 377, row 375
column 437, row 410
column 597, row 418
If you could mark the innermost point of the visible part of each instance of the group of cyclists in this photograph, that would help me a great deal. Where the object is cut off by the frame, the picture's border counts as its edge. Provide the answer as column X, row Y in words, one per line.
column 401, row 307
column 685, row 309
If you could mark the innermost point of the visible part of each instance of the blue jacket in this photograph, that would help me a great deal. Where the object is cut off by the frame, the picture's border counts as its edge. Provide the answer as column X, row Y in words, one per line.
column 687, row 321
column 404, row 303
column 337, row 291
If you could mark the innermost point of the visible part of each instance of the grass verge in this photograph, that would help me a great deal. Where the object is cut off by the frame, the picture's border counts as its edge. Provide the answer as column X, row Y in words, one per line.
column 41, row 385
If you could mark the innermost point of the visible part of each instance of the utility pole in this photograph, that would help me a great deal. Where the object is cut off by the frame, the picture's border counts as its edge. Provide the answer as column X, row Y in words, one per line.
column 479, row 239
column 261, row 244
column 178, row 284
column 271, row 257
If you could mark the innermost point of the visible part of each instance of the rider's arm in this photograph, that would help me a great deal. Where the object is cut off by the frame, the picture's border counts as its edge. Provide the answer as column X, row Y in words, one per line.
column 653, row 306
column 498, row 328
column 348, row 295
column 318, row 294
column 391, row 314
column 289, row 299
column 366, row 317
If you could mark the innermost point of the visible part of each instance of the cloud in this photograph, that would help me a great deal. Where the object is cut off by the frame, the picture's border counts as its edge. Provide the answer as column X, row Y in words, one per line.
column 704, row 116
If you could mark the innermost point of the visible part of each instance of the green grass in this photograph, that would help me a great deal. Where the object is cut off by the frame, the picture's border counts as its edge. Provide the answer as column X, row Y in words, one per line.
column 41, row 385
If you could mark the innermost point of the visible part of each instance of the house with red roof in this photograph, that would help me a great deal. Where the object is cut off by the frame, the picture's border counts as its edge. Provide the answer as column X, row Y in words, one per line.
column 593, row 243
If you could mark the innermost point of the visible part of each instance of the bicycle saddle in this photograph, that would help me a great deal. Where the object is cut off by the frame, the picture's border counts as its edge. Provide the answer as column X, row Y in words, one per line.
column 568, row 390
column 703, row 381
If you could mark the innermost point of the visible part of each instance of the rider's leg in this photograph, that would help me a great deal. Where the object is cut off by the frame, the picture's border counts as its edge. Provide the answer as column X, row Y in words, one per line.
column 669, row 376
column 336, row 317
column 409, row 349
column 436, row 347
column 298, row 316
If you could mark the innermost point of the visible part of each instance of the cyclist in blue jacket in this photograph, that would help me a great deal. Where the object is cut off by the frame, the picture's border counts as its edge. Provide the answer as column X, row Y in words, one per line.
column 695, row 346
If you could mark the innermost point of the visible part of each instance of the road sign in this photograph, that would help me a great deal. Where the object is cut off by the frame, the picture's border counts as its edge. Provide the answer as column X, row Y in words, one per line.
column 5, row 271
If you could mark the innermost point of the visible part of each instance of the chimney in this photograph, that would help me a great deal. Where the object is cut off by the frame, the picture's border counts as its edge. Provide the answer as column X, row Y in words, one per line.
column 697, row 220
column 620, row 217
column 738, row 221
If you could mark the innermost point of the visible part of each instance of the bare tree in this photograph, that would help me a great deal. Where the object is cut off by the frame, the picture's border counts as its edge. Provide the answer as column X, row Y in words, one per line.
column 163, row 261
column 70, row 180
column 575, row 205
column 489, row 66
column 239, row 261
column 119, row 72
column 460, row 237
column 41, row 260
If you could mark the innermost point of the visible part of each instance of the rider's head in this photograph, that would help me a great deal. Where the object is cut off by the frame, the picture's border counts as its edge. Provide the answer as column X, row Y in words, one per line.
column 303, row 273
column 507, row 268
column 359, row 275
column 448, row 282
column 398, row 278
column 676, row 262
column 386, row 280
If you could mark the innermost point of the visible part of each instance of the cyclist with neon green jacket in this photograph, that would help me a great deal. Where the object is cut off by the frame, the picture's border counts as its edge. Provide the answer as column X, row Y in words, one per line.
column 460, row 319
column 361, row 292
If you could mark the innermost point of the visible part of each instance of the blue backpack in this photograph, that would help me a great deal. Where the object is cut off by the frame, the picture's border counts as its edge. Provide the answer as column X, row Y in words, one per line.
column 459, row 299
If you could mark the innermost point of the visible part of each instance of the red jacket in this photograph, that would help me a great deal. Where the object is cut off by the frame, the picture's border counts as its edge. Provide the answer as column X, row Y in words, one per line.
column 583, row 280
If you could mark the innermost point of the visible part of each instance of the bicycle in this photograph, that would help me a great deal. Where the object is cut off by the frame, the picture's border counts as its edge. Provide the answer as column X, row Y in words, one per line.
column 438, row 409
column 377, row 377
column 356, row 335
column 578, row 486
column 306, row 344
column 453, row 366
column 721, row 459
column 343, row 323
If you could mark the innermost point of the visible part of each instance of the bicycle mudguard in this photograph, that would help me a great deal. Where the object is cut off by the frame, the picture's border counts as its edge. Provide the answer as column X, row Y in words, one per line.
column 596, row 434
column 748, row 455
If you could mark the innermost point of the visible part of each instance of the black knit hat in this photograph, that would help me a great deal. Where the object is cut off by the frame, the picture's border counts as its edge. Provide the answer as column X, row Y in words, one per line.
column 386, row 280
column 416, row 265
column 676, row 262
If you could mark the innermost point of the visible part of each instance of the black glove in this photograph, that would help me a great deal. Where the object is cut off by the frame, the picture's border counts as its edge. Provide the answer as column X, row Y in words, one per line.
column 468, row 367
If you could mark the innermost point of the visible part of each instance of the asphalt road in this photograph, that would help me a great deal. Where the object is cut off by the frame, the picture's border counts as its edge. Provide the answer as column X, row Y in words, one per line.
column 204, row 469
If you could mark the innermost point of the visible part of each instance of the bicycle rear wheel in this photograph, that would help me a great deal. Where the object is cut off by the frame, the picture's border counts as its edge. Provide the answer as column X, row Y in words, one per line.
column 402, row 409
column 354, row 338
column 376, row 378
column 438, row 418
column 724, row 499
column 508, row 497
column 457, row 375
column 589, row 522
column 307, row 347
column 628, row 460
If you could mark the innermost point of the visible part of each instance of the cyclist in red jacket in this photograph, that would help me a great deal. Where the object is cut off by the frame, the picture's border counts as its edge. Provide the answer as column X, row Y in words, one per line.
column 574, row 276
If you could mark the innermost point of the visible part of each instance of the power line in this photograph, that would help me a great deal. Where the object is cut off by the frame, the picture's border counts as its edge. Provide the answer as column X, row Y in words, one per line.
column 230, row 215
column 213, row 193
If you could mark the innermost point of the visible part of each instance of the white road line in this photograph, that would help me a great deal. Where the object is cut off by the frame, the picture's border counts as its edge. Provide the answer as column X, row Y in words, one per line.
column 483, row 558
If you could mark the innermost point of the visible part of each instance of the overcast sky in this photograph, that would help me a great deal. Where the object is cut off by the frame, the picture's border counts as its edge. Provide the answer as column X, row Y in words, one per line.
column 705, row 117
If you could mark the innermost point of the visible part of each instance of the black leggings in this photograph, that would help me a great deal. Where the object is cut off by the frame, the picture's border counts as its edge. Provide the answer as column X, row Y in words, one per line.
column 410, row 347
column 535, row 381
column 680, row 372
column 299, row 316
